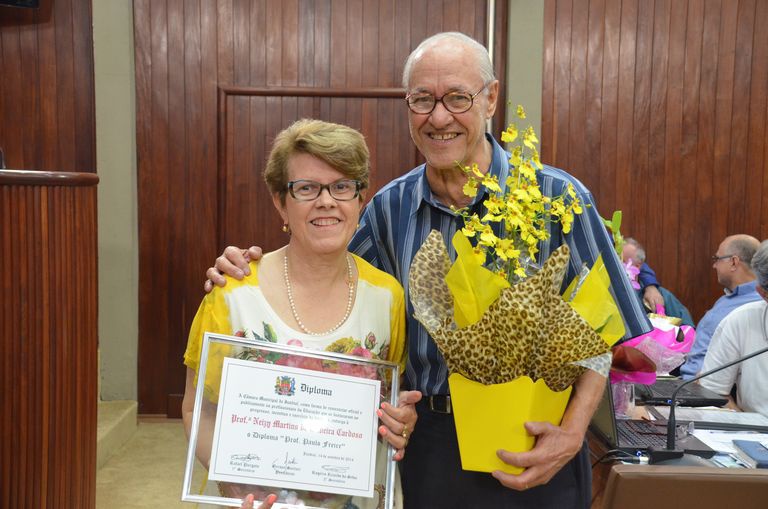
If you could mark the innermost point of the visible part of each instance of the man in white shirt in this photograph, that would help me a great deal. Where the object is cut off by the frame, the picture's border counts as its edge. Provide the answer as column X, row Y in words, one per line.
column 742, row 332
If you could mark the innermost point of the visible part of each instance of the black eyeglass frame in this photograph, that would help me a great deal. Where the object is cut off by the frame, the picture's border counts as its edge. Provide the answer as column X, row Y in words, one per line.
column 716, row 258
column 357, row 183
column 440, row 100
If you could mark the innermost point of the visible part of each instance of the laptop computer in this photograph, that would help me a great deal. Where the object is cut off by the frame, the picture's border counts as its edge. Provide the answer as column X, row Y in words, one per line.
column 693, row 394
column 636, row 436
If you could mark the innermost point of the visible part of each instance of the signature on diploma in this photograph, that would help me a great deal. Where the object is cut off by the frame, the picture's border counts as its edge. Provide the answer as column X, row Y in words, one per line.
column 284, row 461
column 245, row 457
column 335, row 468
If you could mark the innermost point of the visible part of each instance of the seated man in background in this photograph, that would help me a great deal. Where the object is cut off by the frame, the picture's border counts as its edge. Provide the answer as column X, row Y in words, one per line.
column 734, row 273
column 651, row 292
column 740, row 333
column 649, row 285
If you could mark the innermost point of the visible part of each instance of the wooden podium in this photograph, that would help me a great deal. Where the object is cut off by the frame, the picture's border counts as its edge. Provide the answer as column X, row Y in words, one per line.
column 48, row 316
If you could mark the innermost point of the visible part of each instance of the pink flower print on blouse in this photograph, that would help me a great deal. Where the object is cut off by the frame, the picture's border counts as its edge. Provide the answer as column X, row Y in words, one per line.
column 370, row 341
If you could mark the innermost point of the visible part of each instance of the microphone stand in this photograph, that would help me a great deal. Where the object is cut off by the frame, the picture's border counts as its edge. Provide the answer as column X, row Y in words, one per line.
column 670, row 452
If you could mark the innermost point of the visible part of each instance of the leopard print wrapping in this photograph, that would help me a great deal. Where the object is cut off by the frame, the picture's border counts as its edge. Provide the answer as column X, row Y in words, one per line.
column 431, row 299
column 530, row 330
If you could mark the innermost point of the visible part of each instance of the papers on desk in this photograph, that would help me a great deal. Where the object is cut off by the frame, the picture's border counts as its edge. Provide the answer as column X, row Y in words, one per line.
column 715, row 415
column 722, row 441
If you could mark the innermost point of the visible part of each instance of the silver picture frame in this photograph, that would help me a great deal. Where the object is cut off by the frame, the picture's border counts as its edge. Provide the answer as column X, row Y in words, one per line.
column 268, row 358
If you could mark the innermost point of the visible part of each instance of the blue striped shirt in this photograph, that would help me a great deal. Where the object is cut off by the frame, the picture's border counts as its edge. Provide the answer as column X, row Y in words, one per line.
column 400, row 216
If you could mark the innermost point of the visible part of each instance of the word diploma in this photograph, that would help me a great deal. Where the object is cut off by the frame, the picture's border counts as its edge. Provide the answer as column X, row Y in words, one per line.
column 295, row 428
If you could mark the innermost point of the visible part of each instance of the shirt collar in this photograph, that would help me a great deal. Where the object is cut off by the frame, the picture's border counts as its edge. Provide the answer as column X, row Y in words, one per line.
column 499, row 167
column 742, row 289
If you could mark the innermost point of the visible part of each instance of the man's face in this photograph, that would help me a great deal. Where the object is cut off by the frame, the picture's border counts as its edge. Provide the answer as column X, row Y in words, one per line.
column 445, row 138
column 723, row 265
column 629, row 253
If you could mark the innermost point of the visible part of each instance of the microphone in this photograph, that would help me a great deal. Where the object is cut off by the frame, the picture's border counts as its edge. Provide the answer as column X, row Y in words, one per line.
column 670, row 452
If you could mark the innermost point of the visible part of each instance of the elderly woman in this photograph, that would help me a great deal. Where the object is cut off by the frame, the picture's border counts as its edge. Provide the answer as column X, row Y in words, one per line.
column 313, row 292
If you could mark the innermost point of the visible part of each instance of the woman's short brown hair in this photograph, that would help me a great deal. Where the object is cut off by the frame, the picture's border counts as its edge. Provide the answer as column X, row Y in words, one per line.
column 340, row 146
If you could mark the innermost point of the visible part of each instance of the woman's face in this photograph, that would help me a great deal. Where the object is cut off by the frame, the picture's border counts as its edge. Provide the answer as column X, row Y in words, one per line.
column 323, row 225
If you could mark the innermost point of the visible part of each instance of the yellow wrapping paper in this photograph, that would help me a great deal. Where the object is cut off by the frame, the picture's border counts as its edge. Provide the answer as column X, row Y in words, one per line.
column 491, row 417
column 474, row 288
column 594, row 303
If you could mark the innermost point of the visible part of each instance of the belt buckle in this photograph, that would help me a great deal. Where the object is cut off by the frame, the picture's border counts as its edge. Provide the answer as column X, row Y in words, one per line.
column 446, row 408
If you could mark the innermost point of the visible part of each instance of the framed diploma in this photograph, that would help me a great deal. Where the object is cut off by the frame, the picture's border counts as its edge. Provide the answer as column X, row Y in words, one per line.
column 298, row 423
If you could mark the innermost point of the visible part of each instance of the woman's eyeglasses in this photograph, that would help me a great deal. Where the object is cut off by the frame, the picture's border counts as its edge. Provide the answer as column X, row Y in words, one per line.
column 307, row 190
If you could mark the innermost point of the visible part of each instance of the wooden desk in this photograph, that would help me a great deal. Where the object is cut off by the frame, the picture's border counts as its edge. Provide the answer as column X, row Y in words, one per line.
column 673, row 486
column 600, row 473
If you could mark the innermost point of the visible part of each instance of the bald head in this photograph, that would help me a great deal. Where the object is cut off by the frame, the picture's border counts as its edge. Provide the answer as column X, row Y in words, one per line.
column 446, row 42
column 743, row 246
column 733, row 260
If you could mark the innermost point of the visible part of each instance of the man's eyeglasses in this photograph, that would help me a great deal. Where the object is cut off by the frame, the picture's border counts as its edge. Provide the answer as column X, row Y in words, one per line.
column 342, row 190
column 423, row 103
column 716, row 258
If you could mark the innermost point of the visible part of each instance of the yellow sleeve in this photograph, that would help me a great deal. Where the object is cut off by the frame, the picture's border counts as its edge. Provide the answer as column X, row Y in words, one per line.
column 212, row 316
column 397, row 350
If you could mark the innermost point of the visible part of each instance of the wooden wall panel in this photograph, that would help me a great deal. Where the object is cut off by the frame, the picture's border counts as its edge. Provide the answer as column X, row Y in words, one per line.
column 665, row 119
column 47, row 105
column 211, row 82
column 48, row 332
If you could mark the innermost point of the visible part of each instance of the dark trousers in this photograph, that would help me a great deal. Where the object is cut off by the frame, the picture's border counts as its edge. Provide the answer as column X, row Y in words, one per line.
column 432, row 475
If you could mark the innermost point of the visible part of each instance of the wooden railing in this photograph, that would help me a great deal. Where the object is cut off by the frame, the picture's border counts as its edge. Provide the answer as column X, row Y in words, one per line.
column 48, row 338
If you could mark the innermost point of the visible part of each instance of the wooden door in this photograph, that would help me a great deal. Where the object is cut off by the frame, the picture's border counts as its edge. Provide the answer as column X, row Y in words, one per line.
column 216, row 80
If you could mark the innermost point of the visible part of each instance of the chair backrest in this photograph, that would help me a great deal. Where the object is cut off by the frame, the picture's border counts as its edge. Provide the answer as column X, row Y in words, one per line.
column 674, row 487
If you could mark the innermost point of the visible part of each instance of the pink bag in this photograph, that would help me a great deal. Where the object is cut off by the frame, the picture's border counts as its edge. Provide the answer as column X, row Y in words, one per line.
column 666, row 345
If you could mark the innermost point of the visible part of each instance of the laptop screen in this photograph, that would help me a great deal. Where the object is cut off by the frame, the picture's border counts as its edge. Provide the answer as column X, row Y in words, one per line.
column 604, row 420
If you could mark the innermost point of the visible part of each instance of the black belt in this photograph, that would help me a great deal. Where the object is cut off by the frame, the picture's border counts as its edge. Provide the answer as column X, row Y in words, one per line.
column 439, row 403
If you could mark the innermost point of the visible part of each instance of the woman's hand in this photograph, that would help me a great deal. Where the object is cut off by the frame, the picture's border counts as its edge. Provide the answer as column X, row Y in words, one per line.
column 248, row 502
column 399, row 422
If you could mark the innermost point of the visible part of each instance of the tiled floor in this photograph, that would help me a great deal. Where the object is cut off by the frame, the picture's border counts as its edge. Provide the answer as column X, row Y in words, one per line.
column 146, row 472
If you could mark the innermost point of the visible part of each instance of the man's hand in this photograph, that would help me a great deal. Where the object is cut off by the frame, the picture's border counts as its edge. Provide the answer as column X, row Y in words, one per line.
column 232, row 262
column 652, row 298
column 555, row 446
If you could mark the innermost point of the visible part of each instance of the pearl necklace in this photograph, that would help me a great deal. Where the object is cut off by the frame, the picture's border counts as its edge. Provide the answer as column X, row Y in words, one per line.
column 350, row 299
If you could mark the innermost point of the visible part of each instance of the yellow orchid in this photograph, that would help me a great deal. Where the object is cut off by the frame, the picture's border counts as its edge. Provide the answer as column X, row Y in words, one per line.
column 510, row 134
column 472, row 225
column 529, row 138
column 521, row 210
column 535, row 160
column 517, row 157
column 487, row 237
column 491, row 182
column 470, row 187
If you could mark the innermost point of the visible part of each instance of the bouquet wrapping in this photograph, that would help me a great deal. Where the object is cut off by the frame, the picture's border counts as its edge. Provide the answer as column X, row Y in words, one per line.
column 513, row 350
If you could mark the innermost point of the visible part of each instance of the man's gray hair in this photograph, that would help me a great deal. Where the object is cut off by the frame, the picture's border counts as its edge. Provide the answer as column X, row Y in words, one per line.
column 639, row 249
column 482, row 57
column 744, row 247
column 760, row 264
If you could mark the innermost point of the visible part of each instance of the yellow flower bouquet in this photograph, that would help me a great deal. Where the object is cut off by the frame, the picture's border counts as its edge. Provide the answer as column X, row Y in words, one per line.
column 512, row 343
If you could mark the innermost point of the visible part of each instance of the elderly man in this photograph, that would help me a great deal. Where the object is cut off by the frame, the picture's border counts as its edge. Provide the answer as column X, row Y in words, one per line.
column 740, row 333
column 451, row 93
column 734, row 273
column 649, row 285
column 651, row 292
